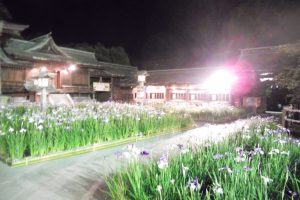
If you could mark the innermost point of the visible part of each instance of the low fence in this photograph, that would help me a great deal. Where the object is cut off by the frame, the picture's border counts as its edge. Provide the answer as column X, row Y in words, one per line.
column 290, row 116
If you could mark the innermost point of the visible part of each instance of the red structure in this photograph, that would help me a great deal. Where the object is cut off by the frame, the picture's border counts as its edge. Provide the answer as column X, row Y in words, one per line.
column 178, row 93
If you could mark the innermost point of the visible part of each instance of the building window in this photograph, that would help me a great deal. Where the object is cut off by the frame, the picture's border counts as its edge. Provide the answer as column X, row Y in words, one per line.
column 209, row 97
column 160, row 95
column 178, row 96
column 192, row 96
column 227, row 97
column 214, row 97
column 222, row 97
column 198, row 97
column 151, row 96
column 203, row 97
column 173, row 96
column 157, row 95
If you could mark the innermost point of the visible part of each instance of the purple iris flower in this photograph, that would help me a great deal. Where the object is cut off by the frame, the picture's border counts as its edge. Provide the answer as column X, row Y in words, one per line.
column 193, row 185
column 118, row 153
column 247, row 169
column 218, row 156
column 293, row 194
column 145, row 153
column 180, row 146
column 258, row 150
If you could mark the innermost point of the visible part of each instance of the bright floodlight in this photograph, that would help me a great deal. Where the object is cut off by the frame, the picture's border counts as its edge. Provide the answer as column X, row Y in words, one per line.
column 72, row 67
column 266, row 79
column 220, row 81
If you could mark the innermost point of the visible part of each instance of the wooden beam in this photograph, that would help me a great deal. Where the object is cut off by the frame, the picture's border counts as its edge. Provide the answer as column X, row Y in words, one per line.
column 292, row 120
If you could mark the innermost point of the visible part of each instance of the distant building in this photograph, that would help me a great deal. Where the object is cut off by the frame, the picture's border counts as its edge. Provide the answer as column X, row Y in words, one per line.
column 254, row 68
column 21, row 60
column 181, row 85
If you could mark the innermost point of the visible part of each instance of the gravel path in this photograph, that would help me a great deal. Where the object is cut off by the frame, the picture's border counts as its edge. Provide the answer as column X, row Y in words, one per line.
column 81, row 177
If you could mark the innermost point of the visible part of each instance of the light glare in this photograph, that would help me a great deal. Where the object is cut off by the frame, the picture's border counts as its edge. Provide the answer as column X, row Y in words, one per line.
column 72, row 68
column 220, row 81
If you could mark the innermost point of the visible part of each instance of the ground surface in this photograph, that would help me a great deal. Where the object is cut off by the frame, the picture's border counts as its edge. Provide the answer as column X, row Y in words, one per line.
column 81, row 177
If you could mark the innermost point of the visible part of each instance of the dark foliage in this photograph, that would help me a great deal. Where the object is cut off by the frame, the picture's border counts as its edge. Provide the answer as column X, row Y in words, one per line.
column 116, row 55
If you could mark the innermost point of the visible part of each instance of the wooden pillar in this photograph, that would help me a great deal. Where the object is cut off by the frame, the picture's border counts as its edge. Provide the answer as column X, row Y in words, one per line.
column 112, row 88
column 0, row 79
column 1, row 29
column 284, row 114
column 58, row 82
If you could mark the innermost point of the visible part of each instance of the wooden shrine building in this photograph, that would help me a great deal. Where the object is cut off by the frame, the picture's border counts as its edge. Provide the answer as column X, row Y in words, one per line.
column 75, row 71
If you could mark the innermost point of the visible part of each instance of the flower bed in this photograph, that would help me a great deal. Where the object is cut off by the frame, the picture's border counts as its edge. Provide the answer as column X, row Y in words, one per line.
column 26, row 132
column 261, row 162
column 214, row 113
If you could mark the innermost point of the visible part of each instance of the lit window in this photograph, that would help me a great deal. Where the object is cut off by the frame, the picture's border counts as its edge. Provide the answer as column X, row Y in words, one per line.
column 193, row 97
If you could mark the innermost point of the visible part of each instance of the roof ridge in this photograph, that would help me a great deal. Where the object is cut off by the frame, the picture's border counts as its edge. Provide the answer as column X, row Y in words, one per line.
column 16, row 39
column 89, row 52
column 41, row 36
column 11, row 25
column 182, row 69
column 273, row 46
column 127, row 66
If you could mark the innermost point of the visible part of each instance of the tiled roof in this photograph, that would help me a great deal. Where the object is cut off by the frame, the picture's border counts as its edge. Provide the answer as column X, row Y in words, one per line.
column 5, row 60
column 25, row 55
column 44, row 48
column 119, row 70
column 127, row 74
column 11, row 29
column 19, row 44
column 82, row 57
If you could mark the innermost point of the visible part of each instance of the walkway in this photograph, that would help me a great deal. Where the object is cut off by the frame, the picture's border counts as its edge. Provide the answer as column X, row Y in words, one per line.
column 81, row 177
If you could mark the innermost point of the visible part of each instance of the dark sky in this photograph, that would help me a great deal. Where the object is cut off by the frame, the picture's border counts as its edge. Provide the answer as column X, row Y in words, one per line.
column 167, row 33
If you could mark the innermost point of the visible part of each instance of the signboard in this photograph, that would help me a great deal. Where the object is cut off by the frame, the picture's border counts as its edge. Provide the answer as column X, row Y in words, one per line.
column 103, row 87
column 141, row 78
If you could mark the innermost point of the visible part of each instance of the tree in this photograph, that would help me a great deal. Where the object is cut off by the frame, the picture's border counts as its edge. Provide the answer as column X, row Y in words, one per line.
column 114, row 54
column 118, row 55
column 102, row 53
column 289, row 74
column 84, row 46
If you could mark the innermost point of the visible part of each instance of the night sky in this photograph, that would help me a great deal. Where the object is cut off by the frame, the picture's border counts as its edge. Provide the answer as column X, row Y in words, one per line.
column 164, row 33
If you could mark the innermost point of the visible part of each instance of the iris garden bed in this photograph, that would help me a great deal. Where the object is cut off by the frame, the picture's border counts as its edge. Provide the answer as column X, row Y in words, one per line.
column 210, row 113
column 80, row 150
column 261, row 162
column 27, row 134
